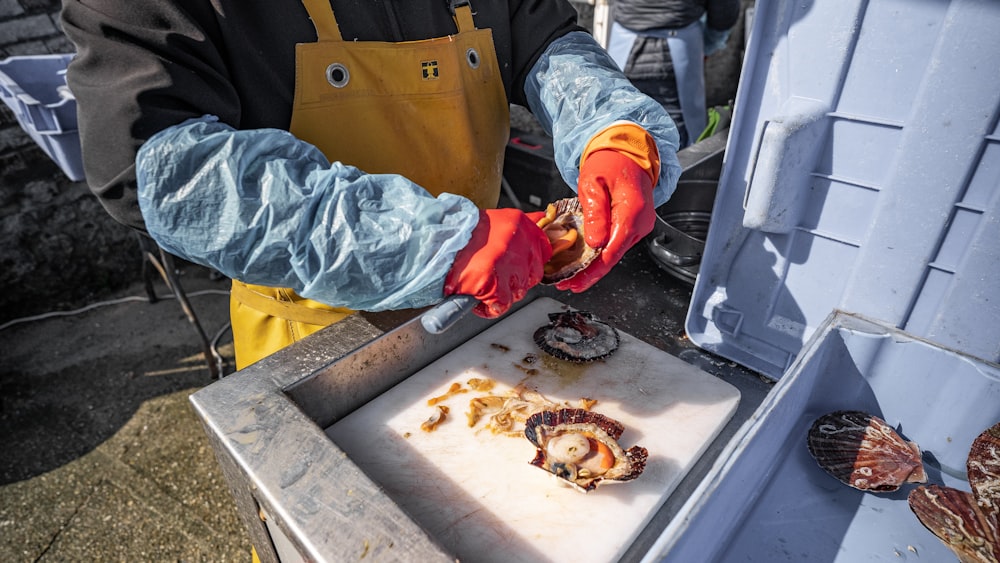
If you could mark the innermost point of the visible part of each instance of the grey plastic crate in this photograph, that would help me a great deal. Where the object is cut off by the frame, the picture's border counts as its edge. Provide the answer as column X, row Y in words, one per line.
column 530, row 171
column 854, row 253
column 861, row 174
column 767, row 500
column 34, row 88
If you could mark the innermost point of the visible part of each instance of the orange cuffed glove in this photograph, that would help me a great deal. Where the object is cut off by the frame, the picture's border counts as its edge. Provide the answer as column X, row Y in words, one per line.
column 615, row 190
column 503, row 260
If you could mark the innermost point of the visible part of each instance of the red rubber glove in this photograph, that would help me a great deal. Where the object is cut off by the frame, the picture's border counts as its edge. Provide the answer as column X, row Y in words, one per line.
column 503, row 260
column 616, row 197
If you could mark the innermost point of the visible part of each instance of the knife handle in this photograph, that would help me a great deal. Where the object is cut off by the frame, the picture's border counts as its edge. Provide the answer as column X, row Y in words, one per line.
column 447, row 313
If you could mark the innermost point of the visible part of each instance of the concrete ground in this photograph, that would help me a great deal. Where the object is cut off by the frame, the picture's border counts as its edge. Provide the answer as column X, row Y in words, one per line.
column 103, row 457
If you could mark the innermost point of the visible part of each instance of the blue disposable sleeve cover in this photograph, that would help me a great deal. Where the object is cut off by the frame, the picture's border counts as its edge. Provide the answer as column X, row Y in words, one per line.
column 576, row 90
column 266, row 208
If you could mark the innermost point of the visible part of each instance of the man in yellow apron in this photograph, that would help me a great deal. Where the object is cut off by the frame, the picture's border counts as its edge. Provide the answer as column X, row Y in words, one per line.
column 373, row 200
column 456, row 121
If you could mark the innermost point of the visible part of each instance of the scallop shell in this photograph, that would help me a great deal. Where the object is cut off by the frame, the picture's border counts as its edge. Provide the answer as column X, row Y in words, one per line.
column 954, row 517
column 580, row 448
column 563, row 224
column 983, row 468
column 576, row 336
column 862, row 451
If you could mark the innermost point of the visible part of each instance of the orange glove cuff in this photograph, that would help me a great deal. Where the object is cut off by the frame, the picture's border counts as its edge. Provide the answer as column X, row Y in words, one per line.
column 631, row 140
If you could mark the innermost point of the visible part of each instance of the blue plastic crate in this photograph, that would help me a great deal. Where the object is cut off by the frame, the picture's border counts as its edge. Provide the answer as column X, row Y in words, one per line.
column 862, row 174
column 34, row 88
column 854, row 255
column 767, row 500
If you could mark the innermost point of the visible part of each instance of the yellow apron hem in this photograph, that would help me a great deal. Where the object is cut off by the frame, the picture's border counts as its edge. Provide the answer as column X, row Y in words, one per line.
column 287, row 310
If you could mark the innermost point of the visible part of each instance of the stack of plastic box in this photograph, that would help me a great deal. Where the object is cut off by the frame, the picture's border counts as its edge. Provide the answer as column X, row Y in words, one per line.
column 530, row 169
column 34, row 87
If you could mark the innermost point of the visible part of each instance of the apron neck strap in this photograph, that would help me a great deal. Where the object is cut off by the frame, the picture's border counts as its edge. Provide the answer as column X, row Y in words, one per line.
column 462, row 12
column 321, row 14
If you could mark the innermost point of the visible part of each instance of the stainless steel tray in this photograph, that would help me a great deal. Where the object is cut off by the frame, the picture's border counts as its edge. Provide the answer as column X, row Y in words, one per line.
column 266, row 422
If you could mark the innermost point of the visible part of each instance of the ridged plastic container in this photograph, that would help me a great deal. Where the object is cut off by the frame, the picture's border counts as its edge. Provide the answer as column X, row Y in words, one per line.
column 862, row 175
column 853, row 256
column 34, row 88
column 767, row 500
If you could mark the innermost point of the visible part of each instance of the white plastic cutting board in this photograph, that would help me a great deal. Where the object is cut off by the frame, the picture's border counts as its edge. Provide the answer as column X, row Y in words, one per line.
column 476, row 492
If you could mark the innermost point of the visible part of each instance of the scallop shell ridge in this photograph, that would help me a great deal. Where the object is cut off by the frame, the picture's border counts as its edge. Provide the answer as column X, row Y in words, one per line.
column 577, row 336
column 863, row 451
column 954, row 517
column 983, row 469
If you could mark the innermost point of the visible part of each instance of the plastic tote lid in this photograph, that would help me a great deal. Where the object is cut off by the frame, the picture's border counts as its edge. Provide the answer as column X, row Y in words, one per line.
column 862, row 174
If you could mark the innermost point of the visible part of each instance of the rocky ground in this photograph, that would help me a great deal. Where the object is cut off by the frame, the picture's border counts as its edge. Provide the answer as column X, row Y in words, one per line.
column 61, row 249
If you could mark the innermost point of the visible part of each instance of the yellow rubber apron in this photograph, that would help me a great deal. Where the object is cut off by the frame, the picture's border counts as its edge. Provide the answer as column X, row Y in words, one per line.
column 433, row 111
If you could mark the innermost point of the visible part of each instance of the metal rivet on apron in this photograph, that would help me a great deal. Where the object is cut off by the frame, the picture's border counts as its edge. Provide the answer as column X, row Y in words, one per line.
column 337, row 75
column 472, row 56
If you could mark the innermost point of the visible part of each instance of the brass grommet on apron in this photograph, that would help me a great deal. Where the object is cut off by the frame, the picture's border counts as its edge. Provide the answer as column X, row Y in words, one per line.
column 434, row 111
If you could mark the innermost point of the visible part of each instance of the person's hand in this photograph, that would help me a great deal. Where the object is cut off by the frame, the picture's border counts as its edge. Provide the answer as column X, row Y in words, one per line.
column 503, row 260
column 616, row 198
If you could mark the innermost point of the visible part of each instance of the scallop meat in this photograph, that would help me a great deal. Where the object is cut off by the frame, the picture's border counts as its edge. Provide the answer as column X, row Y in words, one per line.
column 563, row 225
column 580, row 448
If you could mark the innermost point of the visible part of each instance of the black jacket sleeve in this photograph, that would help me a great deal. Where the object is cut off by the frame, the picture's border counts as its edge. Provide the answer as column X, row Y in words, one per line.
column 138, row 71
column 722, row 14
